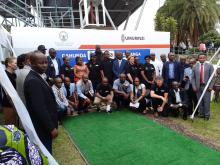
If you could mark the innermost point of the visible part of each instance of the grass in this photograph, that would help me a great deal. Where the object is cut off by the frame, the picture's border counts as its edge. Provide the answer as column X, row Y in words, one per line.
column 208, row 129
column 64, row 151
column 127, row 138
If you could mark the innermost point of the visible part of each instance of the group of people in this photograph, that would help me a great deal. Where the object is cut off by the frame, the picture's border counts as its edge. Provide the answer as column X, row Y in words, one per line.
column 51, row 90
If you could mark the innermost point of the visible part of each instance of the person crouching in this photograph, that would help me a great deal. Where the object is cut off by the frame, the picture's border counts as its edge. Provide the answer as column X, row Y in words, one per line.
column 62, row 102
column 85, row 93
column 104, row 94
column 137, row 96
column 177, row 100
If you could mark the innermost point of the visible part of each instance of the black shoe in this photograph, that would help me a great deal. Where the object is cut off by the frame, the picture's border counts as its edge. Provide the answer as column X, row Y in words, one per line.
column 201, row 116
column 98, row 109
column 184, row 117
column 109, row 111
column 206, row 118
column 79, row 112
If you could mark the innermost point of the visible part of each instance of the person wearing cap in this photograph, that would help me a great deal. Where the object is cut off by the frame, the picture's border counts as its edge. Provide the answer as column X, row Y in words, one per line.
column 42, row 49
column 54, row 64
column 94, row 71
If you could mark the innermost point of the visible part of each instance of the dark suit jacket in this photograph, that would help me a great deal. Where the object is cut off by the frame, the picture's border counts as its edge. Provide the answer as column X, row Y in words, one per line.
column 41, row 104
column 51, row 70
column 165, row 72
column 172, row 97
column 118, row 70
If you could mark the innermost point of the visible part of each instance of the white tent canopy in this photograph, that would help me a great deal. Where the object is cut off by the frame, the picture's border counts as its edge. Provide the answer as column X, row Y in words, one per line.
column 18, row 104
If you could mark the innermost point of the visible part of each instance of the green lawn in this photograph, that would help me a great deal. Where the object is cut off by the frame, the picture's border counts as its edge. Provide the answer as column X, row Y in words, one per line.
column 66, row 154
column 207, row 129
column 128, row 138
column 64, row 151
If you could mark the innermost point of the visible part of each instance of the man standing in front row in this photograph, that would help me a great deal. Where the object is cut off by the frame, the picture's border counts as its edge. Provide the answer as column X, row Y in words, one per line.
column 40, row 101
column 201, row 73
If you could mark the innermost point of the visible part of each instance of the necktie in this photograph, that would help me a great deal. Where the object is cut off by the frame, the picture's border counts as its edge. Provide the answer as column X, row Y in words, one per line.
column 202, row 74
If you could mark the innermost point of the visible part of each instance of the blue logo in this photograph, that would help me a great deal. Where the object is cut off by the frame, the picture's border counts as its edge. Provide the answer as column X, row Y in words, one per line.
column 16, row 136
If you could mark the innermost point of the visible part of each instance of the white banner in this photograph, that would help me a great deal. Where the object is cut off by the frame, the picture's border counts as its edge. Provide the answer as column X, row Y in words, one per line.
column 27, row 39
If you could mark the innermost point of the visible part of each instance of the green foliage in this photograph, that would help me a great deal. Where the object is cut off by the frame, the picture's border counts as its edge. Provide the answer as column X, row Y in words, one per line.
column 166, row 24
column 159, row 22
column 194, row 17
column 211, row 36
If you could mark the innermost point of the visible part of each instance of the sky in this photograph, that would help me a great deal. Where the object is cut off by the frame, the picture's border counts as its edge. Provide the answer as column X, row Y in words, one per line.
column 147, row 20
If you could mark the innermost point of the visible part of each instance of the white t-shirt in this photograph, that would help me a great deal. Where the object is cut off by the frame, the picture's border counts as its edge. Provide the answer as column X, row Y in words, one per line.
column 141, row 86
column 55, row 64
column 158, row 67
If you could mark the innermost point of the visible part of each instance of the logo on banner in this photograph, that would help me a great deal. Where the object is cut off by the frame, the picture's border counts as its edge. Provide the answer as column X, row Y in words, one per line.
column 63, row 36
column 134, row 38
column 123, row 38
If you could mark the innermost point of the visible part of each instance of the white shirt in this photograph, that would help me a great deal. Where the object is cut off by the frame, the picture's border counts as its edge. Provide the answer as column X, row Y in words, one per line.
column 60, row 97
column 55, row 64
column 158, row 67
column 119, row 63
column 177, row 94
column 141, row 86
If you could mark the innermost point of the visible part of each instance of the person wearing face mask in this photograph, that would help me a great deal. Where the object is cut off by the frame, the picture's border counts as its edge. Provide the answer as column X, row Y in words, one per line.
column 104, row 94
column 122, row 89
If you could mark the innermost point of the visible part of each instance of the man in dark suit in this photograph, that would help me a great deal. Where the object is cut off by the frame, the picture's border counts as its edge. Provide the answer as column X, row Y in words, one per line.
column 54, row 65
column 118, row 65
column 40, row 101
column 170, row 70
column 201, row 74
column 177, row 100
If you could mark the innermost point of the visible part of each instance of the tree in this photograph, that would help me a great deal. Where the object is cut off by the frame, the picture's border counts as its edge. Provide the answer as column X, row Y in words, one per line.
column 194, row 17
column 159, row 22
column 166, row 24
column 211, row 37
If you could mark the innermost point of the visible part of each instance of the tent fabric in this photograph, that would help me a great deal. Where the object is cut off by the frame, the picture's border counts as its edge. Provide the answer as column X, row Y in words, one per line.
column 18, row 104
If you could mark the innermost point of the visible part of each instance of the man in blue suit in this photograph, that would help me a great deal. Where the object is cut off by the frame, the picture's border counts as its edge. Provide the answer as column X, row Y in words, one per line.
column 54, row 65
column 118, row 65
column 171, row 70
